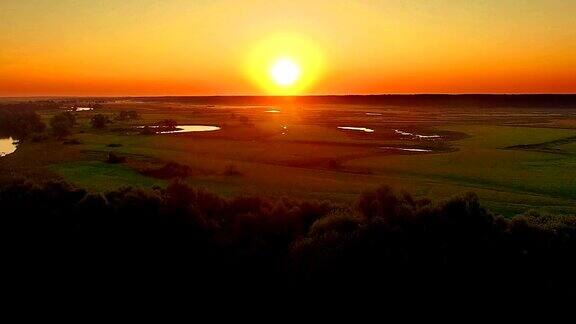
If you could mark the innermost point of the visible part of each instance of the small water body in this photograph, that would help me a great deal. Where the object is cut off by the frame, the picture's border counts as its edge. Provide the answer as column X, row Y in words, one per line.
column 273, row 111
column 81, row 109
column 403, row 133
column 406, row 149
column 352, row 128
column 7, row 146
column 192, row 128
column 373, row 114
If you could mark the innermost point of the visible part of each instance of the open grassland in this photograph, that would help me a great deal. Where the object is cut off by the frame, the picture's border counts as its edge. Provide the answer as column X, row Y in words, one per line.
column 508, row 180
column 509, row 156
column 100, row 176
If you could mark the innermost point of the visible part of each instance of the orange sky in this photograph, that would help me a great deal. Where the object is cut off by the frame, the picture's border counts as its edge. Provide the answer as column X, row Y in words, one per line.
column 178, row 47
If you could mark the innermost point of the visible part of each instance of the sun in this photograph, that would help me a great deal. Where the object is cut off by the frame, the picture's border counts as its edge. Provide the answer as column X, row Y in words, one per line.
column 284, row 64
column 285, row 72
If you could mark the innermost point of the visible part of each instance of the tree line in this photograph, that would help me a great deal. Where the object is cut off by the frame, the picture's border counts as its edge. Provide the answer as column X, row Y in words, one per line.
column 22, row 121
column 20, row 124
column 386, row 242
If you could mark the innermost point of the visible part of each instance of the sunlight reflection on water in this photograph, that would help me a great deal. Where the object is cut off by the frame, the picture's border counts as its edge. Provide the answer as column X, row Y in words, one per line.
column 403, row 133
column 192, row 128
column 363, row 129
column 7, row 146
column 406, row 149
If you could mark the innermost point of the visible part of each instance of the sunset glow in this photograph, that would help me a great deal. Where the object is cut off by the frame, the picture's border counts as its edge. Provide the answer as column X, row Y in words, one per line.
column 227, row 47
column 284, row 64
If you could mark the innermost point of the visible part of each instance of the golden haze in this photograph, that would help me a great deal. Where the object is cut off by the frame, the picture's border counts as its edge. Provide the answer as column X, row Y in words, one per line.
column 177, row 47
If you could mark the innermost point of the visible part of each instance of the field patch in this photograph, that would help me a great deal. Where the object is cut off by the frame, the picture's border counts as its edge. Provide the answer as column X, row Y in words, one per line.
column 98, row 176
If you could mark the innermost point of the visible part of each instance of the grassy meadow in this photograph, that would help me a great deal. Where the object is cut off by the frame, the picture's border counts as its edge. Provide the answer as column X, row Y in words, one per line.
column 515, row 159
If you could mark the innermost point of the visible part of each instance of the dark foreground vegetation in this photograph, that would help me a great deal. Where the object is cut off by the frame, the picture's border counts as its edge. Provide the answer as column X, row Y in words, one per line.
column 386, row 243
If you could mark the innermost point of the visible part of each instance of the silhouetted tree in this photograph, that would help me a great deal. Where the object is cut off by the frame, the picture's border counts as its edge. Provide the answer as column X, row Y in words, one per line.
column 167, row 124
column 147, row 130
column 99, row 121
column 20, row 124
column 62, row 124
column 114, row 158
column 126, row 115
column 170, row 170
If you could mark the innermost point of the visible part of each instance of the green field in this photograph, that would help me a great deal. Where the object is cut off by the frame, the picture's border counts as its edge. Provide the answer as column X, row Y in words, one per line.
column 100, row 176
column 514, row 159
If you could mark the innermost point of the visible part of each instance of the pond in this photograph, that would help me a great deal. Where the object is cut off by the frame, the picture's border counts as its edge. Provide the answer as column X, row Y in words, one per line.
column 416, row 150
column 192, row 128
column 352, row 128
column 7, row 146
column 403, row 133
column 80, row 109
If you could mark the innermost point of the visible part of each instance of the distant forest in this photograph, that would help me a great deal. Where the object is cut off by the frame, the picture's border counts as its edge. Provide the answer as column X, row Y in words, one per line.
column 542, row 101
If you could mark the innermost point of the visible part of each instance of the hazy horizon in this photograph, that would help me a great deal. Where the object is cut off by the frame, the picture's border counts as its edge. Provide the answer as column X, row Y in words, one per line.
column 570, row 94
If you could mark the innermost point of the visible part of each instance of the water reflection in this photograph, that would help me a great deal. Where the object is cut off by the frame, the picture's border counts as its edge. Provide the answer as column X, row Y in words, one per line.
column 406, row 149
column 80, row 109
column 403, row 133
column 363, row 129
column 191, row 128
column 7, row 146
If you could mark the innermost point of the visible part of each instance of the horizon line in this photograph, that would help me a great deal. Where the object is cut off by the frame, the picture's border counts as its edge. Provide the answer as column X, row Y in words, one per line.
column 283, row 96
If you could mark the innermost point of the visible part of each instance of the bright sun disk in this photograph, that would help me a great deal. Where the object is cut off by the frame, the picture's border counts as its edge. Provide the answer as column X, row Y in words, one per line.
column 285, row 72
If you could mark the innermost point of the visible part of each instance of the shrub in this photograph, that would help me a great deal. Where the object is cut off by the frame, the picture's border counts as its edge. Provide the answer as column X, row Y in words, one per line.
column 114, row 158
column 38, row 138
column 167, row 124
column 99, row 121
column 72, row 142
column 126, row 115
column 170, row 170
column 232, row 171
column 62, row 124
column 146, row 130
